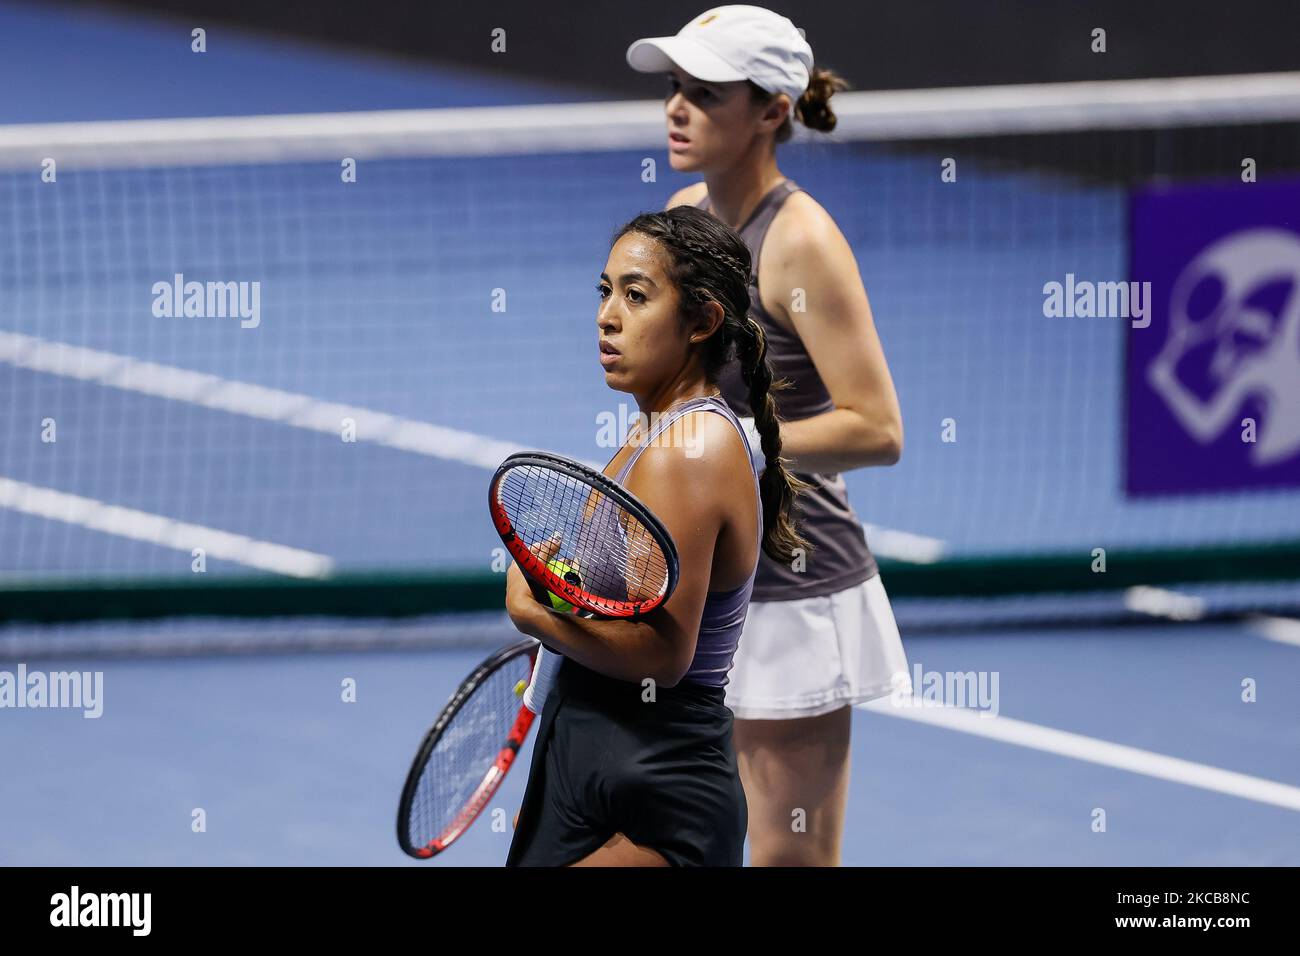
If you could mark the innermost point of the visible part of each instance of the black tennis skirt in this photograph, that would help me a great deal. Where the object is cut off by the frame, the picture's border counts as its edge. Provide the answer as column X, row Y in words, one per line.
column 661, row 773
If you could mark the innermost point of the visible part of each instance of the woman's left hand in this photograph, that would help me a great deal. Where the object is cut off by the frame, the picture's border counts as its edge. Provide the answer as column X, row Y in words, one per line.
column 521, row 605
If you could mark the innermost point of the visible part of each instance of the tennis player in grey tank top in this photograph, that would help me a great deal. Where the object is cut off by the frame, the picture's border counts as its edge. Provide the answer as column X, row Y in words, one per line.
column 842, row 558
column 820, row 635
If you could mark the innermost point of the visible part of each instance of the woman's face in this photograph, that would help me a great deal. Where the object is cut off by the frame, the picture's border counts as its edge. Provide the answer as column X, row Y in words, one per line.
column 712, row 125
column 642, row 340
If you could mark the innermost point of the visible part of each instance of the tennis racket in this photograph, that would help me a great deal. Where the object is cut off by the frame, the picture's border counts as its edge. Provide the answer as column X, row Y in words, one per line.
column 467, row 752
column 583, row 538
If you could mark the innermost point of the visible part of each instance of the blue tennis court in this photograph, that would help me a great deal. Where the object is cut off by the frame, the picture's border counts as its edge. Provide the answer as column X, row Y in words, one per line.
column 285, row 772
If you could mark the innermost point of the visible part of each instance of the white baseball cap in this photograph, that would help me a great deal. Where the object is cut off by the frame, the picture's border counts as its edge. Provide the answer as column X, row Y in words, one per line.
column 736, row 42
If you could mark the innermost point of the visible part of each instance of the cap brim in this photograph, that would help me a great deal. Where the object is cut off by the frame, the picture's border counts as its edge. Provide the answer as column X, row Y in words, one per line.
column 660, row 54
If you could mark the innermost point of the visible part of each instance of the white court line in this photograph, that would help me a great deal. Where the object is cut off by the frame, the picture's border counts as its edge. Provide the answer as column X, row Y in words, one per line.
column 240, row 398
column 156, row 529
column 1162, row 602
column 303, row 411
column 904, row 545
column 1103, row 752
column 255, row 401
column 1284, row 630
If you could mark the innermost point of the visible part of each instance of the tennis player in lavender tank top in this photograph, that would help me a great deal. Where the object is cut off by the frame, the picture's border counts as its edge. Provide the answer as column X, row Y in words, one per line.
column 633, row 761
column 820, row 635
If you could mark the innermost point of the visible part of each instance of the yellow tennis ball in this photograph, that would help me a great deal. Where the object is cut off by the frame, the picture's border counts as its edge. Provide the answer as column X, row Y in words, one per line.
column 569, row 574
column 520, row 688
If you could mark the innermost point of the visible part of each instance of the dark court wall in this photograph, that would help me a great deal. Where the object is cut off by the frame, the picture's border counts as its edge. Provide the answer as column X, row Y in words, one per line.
column 877, row 45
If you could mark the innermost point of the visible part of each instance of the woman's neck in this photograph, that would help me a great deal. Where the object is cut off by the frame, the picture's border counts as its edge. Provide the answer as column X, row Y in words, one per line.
column 661, row 403
column 735, row 193
column 651, row 411
column 651, row 407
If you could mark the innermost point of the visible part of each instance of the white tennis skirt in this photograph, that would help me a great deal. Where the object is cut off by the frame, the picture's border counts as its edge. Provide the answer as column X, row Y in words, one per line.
column 811, row 656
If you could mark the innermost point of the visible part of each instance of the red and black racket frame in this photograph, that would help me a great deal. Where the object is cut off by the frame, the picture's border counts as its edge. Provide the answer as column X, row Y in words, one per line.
column 496, row 773
column 540, row 577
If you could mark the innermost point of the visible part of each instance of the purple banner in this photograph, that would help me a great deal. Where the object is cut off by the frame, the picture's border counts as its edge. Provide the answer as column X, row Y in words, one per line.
column 1214, row 381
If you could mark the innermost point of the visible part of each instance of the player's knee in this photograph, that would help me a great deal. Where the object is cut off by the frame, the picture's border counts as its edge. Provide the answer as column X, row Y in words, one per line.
column 788, row 855
column 780, row 847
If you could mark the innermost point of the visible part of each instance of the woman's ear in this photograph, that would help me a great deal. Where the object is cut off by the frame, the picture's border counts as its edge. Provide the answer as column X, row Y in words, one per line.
column 711, row 318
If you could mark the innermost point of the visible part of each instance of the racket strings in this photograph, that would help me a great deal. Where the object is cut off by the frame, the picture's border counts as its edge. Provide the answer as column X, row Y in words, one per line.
column 614, row 555
column 468, row 747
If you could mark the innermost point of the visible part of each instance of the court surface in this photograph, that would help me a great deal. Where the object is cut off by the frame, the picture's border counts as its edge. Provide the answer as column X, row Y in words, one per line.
column 287, row 773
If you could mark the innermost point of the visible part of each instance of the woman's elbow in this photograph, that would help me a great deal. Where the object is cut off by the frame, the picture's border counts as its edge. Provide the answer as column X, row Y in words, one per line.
column 886, row 445
column 667, row 655
column 672, row 674
column 893, row 450
column 672, row 670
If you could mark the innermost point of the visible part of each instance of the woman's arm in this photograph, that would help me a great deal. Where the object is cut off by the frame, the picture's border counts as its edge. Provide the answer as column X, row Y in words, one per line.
column 624, row 650
column 686, row 485
column 806, row 251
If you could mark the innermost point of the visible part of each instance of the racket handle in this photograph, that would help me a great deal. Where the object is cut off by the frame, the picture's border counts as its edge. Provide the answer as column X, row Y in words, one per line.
column 544, row 671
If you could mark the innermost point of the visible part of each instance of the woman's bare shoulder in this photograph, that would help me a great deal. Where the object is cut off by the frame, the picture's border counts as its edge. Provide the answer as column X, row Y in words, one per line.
column 803, row 223
column 700, row 446
column 689, row 196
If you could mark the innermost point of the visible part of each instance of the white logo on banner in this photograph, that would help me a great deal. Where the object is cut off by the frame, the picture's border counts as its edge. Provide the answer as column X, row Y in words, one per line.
column 1254, row 352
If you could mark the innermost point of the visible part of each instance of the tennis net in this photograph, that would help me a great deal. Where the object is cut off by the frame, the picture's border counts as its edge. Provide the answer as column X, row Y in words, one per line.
column 281, row 356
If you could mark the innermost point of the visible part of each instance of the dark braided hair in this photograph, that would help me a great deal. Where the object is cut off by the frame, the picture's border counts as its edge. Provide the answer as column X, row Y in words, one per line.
column 711, row 263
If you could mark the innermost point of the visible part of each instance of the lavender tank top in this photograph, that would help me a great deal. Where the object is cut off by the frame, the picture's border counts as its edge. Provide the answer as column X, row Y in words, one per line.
column 724, row 611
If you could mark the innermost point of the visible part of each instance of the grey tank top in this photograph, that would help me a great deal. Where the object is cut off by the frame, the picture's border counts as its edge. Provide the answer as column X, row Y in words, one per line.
column 724, row 611
column 840, row 557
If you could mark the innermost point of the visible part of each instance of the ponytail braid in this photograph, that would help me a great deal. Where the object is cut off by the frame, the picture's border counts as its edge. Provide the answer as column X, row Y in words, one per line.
column 777, row 485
